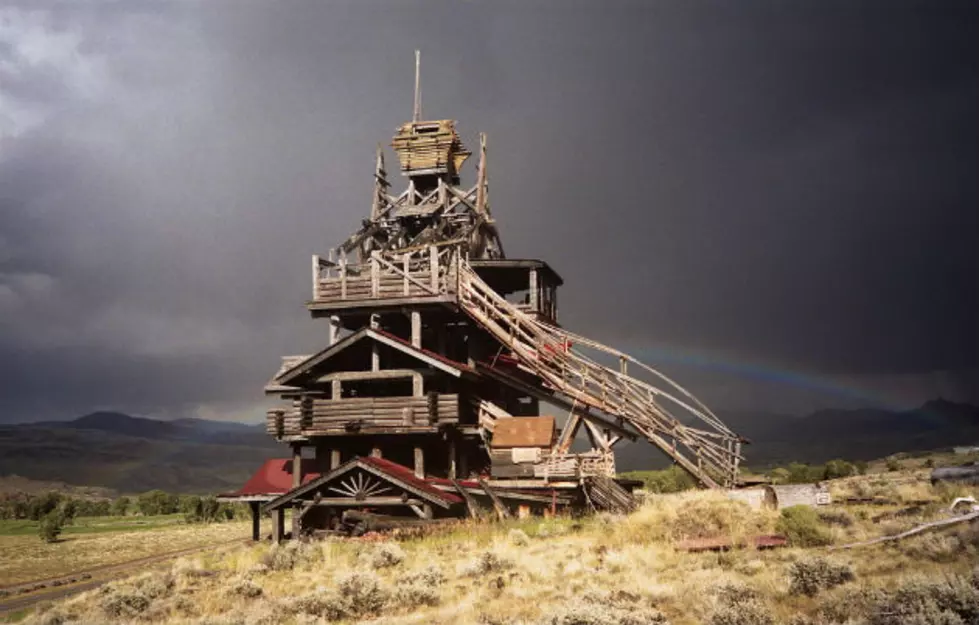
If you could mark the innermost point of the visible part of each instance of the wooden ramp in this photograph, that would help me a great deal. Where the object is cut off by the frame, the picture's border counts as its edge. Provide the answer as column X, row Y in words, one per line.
column 711, row 453
column 606, row 494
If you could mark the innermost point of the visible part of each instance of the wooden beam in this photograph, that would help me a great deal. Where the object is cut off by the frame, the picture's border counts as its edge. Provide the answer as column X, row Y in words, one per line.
column 297, row 465
column 419, row 462
column 416, row 329
column 369, row 501
column 471, row 506
column 256, row 520
column 381, row 374
column 501, row 510
column 452, row 459
column 334, row 458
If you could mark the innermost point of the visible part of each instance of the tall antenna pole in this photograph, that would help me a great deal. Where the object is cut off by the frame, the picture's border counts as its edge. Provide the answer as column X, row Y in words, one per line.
column 416, row 114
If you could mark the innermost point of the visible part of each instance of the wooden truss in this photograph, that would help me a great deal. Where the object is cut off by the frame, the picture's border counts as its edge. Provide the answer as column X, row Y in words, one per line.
column 445, row 215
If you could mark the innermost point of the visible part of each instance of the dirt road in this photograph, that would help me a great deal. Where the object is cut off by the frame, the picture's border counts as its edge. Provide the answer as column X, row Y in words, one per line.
column 21, row 596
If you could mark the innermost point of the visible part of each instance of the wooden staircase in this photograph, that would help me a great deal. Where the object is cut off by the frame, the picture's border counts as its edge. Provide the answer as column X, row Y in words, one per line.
column 710, row 454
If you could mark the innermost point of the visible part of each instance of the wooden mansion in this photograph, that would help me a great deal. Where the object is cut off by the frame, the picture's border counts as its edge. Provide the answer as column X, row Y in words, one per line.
column 425, row 400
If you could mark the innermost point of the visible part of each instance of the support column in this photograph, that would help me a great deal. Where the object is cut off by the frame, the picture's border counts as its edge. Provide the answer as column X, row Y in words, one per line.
column 419, row 462
column 463, row 464
column 256, row 520
column 297, row 465
column 334, row 458
column 278, row 525
column 296, row 521
column 375, row 358
column 336, row 388
column 452, row 458
column 534, row 291
column 416, row 329
column 334, row 329
column 376, row 452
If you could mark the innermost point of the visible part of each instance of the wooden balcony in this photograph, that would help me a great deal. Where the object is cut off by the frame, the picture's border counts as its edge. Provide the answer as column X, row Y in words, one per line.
column 308, row 417
column 424, row 275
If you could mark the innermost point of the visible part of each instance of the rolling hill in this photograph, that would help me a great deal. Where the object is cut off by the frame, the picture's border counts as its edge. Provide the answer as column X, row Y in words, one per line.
column 132, row 454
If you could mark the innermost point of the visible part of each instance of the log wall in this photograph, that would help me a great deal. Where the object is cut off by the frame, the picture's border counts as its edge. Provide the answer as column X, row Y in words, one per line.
column 313, row 417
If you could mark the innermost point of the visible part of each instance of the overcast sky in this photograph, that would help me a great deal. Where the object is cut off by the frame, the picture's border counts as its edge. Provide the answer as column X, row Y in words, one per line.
column 776, row 201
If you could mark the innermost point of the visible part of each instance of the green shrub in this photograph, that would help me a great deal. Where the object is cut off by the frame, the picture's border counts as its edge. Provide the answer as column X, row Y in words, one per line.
column 839, row 518
column 802, row 527
column 486, row 562
column 671, row 480
column 50, row 527
column 836, row 469
column 952, row 601
column 383, row 555
column 289, row 556
column 740, row 605
column 120, row 506
column 431, row 575
column 809, row 577
column 363, row 592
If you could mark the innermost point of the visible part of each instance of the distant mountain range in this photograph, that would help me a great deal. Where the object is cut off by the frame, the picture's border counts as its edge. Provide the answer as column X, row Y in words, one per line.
column 864, row 434
column 133, row 454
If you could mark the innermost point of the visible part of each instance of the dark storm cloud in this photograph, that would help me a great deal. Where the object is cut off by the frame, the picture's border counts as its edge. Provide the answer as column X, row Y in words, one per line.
column 793, row 185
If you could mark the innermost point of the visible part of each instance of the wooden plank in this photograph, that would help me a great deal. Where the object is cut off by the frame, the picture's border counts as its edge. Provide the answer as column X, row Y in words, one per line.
column 501, row 510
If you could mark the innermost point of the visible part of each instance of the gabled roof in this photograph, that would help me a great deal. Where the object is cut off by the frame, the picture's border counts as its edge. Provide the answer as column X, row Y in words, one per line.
column 396, row 474
column 275, row 478
column 295, row 367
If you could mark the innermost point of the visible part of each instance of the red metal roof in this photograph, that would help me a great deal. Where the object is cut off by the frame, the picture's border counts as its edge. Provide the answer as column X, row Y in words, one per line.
column 275, row 477
column 407, row 476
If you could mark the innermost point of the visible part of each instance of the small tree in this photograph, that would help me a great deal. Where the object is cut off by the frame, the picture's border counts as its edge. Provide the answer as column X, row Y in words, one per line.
column 50, row 527
column 120, row 506
column 835, row 469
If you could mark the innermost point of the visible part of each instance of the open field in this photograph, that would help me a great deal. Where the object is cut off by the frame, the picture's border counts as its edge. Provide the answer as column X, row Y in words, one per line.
column 100, row 541
column 602, row 570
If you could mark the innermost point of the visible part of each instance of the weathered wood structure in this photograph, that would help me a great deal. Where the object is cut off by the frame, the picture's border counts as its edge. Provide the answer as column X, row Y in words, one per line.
column 426, row 397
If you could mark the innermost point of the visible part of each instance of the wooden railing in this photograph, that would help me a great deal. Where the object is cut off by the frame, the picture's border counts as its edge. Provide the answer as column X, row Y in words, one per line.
column 423, row 272
column 711, row 455
column 576, row 466
column 311, row 416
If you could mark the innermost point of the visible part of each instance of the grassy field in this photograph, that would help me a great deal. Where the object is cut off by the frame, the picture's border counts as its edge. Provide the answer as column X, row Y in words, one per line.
column 99, row 541
column 602, row 570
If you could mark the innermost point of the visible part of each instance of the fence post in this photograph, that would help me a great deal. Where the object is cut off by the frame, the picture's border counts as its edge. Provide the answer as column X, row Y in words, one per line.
column 406, row 266
column 343, row 274
column 433, row 259
column 316, row 276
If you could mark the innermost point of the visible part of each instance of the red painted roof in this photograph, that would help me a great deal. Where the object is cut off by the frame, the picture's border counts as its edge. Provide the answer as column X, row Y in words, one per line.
column 275, row 477
column 407, row 476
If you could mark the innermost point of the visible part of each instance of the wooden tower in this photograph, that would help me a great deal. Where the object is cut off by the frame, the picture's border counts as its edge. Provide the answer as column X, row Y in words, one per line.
column 424, row 399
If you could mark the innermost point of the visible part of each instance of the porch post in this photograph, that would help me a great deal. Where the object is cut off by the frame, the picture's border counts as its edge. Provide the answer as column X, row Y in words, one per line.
column 334, row 458
column 297, row 465
column 419, row 462
column 278, row 524
column 256, row 520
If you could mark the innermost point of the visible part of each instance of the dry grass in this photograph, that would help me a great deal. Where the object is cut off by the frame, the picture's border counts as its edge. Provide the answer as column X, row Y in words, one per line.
column 605, row 570
column 25, row 558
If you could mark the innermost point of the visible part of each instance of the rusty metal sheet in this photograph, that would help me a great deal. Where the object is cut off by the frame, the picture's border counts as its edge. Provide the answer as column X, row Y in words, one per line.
column 523, row 432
